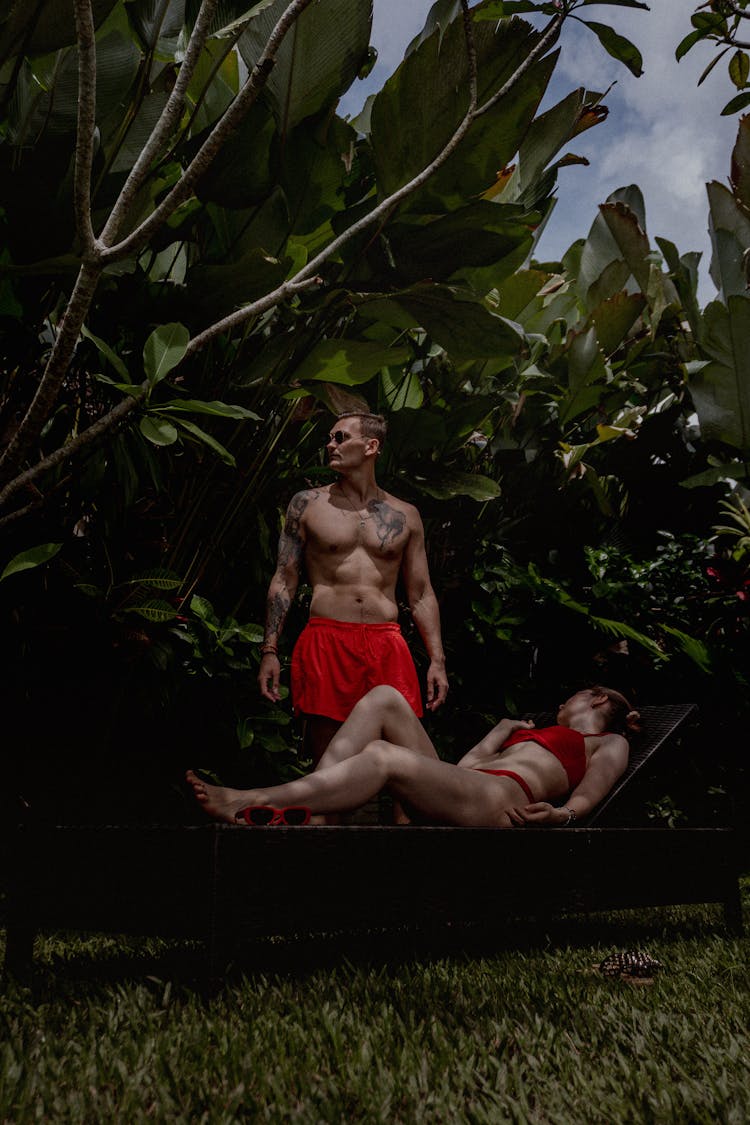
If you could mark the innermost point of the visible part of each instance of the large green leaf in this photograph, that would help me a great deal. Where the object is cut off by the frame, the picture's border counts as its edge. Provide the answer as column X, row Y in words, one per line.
column 163, row 350
column 631, row 239
column 617, row 46
column 228, row 16
column 440, row 16
column 634, row 249
column 721, row 389
column 348, row 362
column 481, row 234
column 313, row 173
column 614, row 318
column 318, row 60
column 217, row 290
column 586, row 369
column 214, row 84
column 129, row 147
column 39, row 29
column 155, row 610
column 207, row 439
column 421, row 105
column 46, row 93
column 601, row 252
column 740, row 174
column 465, row 328
column 243, row 172
column 448, row 484
column 413, row 431
column 109, row 354
column 215, row 408
column 403, row 391
column 546, row 136
column 27, row 560
column 158, row 431
column 730, row 236
column 158, row 23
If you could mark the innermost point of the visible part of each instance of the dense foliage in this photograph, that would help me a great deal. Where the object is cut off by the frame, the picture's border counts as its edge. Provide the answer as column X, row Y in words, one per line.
column 201, row 259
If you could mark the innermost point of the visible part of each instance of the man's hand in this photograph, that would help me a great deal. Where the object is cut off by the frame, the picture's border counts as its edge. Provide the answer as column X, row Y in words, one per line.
column 437, row 685
column 268, row 677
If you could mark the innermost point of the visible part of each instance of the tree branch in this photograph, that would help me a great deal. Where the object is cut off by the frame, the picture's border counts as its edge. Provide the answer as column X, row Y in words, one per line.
column 200, row 162
column 164, row 127
column 313, row 267
column 548, row 37
column 93, row 266
column 78, row 444
column 733, row 42
column 305, row 278
column 55, row 371
column 735, row 9
column 84, row 155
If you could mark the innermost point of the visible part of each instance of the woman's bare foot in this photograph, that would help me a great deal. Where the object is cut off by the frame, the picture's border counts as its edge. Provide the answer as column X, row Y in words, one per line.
column 219, row 801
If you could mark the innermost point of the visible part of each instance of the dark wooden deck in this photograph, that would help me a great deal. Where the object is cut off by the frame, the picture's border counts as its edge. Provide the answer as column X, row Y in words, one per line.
column 225, row 883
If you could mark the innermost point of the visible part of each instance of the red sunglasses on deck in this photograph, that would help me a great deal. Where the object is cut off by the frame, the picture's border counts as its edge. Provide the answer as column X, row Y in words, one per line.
column 266, row 816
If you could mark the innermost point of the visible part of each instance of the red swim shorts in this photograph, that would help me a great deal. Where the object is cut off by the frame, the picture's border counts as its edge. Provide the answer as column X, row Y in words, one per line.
column 335, row 663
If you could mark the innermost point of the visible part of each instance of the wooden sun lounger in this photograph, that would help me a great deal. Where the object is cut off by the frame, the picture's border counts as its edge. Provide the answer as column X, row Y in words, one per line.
column 226, row 883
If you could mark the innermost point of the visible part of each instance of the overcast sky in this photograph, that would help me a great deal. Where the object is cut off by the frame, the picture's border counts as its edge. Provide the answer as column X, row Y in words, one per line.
column 663, row 132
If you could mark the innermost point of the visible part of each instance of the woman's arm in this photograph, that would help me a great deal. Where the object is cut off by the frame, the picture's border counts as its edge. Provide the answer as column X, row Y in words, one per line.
column 608, row 762
column 492, row 742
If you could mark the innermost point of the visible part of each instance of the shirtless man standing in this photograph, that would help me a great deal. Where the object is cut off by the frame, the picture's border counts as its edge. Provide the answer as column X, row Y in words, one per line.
column 354, row 539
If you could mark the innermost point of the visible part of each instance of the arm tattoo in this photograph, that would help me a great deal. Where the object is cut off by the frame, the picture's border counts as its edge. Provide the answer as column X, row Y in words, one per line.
column 278, row 607
column 291, row 542
column 389, row 522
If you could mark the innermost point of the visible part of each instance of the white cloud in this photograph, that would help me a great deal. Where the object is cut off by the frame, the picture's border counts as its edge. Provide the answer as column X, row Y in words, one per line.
column 664, row 132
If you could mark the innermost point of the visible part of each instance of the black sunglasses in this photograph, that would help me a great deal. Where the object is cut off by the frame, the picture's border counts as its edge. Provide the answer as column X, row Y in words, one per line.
column 338, row 436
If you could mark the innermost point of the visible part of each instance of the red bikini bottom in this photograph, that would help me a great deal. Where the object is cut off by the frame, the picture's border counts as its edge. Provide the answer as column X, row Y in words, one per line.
column 516, row 777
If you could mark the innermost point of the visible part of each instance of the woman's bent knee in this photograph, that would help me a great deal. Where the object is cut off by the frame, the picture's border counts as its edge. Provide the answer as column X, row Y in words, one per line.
column 386, row 697
column 386, row 754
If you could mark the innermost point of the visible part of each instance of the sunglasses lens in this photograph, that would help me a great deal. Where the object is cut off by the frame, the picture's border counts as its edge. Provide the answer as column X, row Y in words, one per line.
column 259, row 815
column 296, row 814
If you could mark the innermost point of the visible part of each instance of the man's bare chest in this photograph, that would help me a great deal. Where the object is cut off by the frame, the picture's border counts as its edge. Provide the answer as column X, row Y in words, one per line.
column 380, row 529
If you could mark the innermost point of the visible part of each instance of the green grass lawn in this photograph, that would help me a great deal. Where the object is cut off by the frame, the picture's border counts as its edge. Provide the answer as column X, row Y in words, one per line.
column 519, row 1028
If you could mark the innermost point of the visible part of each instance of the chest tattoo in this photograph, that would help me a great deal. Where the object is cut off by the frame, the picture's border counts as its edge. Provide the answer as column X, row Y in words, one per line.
column 388, row 522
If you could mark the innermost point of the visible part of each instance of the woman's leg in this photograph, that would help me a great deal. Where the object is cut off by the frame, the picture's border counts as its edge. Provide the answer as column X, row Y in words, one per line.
column 341, row 787
column 439, row 790
column 382, row 713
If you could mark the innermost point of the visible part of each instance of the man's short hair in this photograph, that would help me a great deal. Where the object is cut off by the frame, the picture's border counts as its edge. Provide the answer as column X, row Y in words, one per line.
column 371, row 425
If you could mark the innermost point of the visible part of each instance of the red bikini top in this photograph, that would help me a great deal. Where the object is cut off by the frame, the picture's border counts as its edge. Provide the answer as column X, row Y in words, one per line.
column 568, row 746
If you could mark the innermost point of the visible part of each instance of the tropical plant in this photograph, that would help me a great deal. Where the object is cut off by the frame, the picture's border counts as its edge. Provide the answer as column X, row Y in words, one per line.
column 168, row 378
column 722, row 23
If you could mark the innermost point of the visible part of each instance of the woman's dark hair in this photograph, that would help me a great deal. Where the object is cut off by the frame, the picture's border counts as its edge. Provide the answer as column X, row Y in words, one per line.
column 623, row 719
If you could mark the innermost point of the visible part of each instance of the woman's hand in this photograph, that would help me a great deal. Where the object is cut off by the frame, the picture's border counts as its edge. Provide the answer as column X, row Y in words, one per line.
column 540, row 812
column 512, row 725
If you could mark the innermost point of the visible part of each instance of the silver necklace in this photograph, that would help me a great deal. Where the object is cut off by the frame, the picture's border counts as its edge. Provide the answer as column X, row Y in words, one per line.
column 362, row 519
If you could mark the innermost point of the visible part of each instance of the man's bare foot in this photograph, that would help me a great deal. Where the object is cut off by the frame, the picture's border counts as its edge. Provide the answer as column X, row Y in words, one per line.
column 219, row 801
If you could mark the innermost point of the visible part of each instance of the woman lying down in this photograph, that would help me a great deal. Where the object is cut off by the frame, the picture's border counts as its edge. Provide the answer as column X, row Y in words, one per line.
column 516, row 775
